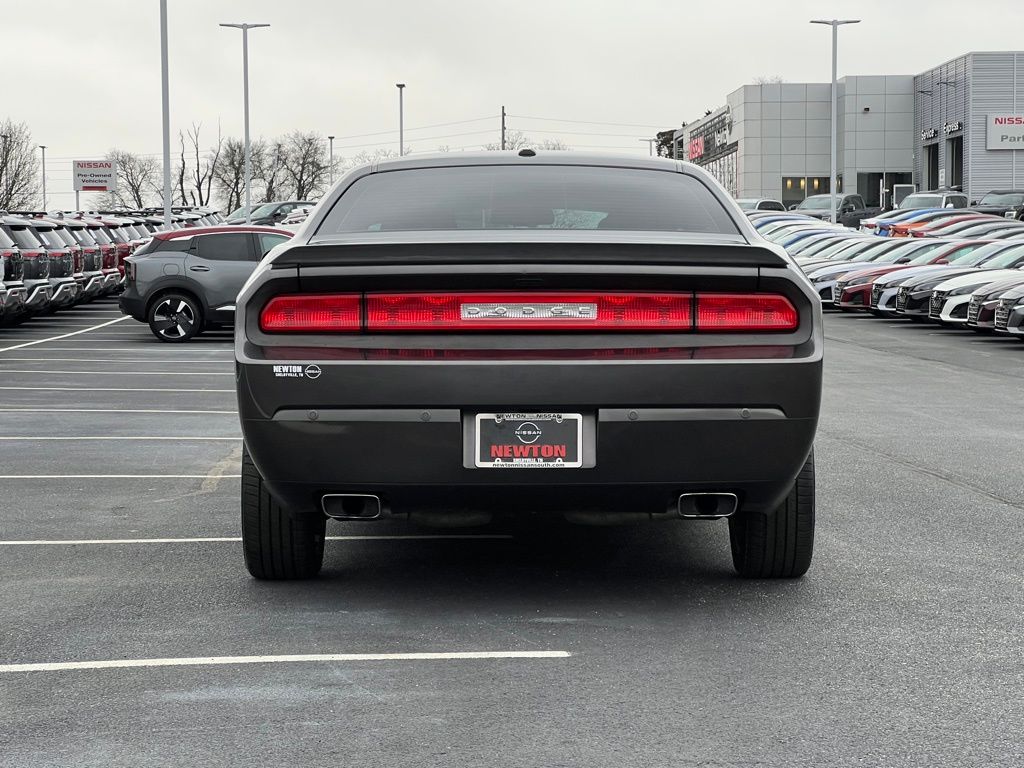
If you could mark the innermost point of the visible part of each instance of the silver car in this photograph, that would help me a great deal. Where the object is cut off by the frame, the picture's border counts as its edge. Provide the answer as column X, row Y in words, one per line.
column 185, row 281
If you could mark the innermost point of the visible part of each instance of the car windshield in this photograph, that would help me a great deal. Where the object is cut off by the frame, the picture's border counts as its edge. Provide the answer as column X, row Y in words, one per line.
column 747, row 204
column 534, row 197
column 1007, row 258
column 239, row 213
column 816, row 203
column 83, row 236
column 922, row 201
column 1003, row 198
column 264, row 210
column 926, row 254
column 874, row 252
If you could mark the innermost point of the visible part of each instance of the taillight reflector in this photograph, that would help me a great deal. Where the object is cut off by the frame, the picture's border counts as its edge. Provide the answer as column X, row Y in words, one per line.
column 312, row 313
column 745, row 312
column 541, row 311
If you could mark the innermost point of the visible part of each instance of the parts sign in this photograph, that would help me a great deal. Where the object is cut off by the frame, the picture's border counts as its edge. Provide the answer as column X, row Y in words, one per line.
column 95, row 175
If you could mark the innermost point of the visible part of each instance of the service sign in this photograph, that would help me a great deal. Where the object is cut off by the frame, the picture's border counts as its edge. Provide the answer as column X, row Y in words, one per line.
column 1005, row 132
column 95, row 175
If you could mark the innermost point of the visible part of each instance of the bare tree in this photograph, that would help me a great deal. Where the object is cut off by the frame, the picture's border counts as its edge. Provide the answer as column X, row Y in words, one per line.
column 768, row 80
column 19, row 169
column 204, row 165
column 229, row 174
column 269, row 162
column 519, row 140
column 307, row 166
column 138, row 181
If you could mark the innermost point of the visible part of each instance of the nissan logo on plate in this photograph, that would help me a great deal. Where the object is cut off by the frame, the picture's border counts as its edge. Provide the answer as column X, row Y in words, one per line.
column 528, row 432
column 511, row 311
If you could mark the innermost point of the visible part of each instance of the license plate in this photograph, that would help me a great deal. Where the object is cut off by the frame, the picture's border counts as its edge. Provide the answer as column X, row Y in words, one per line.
column 529, row 440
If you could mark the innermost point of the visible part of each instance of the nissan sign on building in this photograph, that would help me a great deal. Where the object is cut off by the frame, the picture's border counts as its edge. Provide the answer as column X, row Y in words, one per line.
column 1005, row 132
column 95, row 175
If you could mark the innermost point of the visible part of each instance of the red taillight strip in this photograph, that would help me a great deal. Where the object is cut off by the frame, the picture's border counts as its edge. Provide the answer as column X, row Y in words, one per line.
column 313, row 313
column 534, row 311
column 752, row 312
column 529, row 311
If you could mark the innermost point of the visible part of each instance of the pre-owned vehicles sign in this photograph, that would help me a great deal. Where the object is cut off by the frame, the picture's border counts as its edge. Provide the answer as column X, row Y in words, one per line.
column 1005, row 132
column 95, row 175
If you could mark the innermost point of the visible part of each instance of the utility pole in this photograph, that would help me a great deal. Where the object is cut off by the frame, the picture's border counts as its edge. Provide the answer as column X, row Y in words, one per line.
column 502, row 127
column 43, row 147
column 650, row 145
column 331, row 140
column 245, row 101
column 166, row 109
column 401, row 119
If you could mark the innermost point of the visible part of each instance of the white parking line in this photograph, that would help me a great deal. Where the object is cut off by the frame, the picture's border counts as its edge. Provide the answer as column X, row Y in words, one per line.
column 112, row 477
column 108, row 389
column 205, row 661
column 64, row 335
column 230, row 539
column 133, row 361
column 156, row 348
column 111, row 410
column 34, row 438
column 121, row 373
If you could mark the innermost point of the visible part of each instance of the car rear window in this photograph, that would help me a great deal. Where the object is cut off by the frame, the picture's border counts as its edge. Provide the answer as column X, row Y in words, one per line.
column 498, row 197
column 5, row 240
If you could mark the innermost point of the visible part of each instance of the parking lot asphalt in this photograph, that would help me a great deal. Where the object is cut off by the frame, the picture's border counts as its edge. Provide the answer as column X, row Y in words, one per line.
column 903, row 646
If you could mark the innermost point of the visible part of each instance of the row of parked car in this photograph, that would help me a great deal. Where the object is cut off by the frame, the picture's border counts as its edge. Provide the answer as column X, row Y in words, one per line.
column 55, row 260
column 957, row 266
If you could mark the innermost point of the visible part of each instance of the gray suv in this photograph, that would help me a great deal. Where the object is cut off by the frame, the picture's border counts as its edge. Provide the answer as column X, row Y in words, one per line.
column 185, row 281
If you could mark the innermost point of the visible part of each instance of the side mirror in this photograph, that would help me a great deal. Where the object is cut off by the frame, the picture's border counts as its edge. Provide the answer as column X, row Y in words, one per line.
column 948, row 205
column 792, row 207
column 942, row 261
column 974, row 202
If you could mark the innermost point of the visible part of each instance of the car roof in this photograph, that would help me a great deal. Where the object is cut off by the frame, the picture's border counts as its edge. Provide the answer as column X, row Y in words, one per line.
column 175, row 234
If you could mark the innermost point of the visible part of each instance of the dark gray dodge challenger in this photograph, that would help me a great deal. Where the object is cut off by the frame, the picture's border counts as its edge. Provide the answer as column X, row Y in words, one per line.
column 453, row 337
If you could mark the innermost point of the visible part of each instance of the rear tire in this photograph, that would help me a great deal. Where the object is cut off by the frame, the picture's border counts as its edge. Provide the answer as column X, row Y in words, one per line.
column 277, row 546
column 778, row 544
column 175, row 318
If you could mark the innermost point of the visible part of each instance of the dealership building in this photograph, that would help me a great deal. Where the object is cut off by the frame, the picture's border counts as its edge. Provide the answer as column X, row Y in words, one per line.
column 958, row 124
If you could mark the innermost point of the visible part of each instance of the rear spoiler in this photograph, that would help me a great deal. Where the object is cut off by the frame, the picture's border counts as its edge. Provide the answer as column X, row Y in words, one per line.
column 324, row 254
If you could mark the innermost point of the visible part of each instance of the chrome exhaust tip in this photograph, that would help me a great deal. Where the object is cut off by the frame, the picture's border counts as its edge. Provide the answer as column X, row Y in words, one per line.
column 707, row 506
column 351, row 506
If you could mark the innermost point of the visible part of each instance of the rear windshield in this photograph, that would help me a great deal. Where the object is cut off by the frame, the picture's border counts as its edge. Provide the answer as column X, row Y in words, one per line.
column 5, row 241
column 497, row 197
column 921, row 201
column 25, row 238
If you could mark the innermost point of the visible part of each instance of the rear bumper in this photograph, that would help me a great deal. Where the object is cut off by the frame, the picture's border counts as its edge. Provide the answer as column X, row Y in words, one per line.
column 38, row 296
column 133, row 306
column 333, row 438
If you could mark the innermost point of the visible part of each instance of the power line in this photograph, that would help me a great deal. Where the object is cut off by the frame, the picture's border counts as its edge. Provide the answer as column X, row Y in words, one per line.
column 583, row 133
column 421, row 138
column 587, row 122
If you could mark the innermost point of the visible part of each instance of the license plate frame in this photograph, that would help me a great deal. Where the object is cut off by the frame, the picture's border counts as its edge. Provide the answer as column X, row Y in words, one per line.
column 517, row 428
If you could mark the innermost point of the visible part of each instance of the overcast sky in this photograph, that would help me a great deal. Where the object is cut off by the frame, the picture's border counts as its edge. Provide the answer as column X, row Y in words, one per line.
column 85, row 74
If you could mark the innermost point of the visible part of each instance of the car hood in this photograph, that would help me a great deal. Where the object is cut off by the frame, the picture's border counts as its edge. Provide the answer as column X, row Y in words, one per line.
column 860, row 274
column 937, row 276
column 997, row 210
column 995, row 290
column 987, row 276
column 838, row 269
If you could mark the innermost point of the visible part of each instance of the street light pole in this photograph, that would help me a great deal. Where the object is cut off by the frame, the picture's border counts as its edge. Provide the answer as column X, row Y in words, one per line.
column 401, row 119
column 43, row 147
column 166, row 109
column 245, row 99
column 331, row 140
column 835, row 24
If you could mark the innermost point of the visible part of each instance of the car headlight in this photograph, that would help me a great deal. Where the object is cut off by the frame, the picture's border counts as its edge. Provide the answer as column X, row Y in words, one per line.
column 962, row 290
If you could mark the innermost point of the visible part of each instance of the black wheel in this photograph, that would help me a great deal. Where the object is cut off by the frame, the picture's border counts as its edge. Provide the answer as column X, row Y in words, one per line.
column 779, row 544
column 175, row 317
column 277, row 545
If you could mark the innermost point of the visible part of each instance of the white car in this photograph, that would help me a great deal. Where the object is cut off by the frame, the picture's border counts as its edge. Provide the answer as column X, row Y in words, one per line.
column 950, row 300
